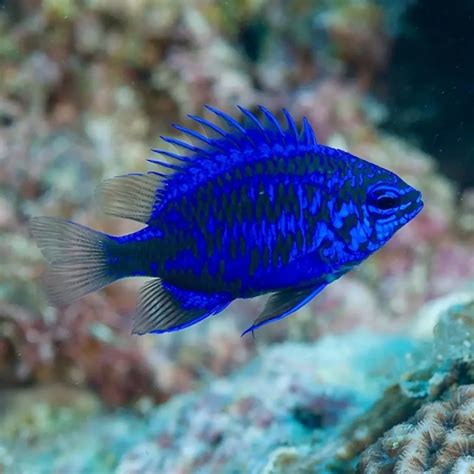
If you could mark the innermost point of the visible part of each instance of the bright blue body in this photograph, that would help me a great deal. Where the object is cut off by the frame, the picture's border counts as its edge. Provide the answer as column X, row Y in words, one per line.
column 250, row 207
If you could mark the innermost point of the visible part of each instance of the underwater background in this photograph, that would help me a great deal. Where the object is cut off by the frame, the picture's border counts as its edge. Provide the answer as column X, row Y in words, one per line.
column 375, row 375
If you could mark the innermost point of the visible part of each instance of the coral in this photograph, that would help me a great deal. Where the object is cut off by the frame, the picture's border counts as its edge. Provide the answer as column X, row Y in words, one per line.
column 86, row 345
column 424, row 322
column 291, row 393
column 298, row 407
column 85, row 92
column 450, row 363
column 400, row 401
column 34, row 413
column 358, row 34
column 68, row 435
column 466, row 217
column 432, row 370
column 454, row 333
column 439, row 438
column 101, row 83
column 20, row 260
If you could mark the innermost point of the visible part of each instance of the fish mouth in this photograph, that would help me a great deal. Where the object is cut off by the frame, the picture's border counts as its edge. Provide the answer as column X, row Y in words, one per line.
column 416, row 207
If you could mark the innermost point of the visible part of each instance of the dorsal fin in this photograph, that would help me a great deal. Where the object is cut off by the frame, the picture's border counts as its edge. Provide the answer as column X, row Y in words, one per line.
column 231, row 135
column 199, row 155
column 307, row 135
column 131, row 196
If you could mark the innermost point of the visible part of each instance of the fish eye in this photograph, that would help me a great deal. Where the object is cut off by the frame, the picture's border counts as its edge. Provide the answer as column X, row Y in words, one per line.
column 387, row 202
column 383, row 199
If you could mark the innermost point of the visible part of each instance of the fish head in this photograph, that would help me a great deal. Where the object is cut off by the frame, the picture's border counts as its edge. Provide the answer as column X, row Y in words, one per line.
column 390, row 203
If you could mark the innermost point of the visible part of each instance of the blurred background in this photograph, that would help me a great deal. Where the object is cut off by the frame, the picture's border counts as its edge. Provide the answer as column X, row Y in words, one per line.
column 86, row 89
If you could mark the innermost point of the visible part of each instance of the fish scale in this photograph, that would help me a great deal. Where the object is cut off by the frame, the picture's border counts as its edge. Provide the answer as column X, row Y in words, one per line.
column 245, row 207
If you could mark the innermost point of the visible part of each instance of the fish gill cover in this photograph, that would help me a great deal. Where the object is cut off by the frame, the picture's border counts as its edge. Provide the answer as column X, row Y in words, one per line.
column 248, row 208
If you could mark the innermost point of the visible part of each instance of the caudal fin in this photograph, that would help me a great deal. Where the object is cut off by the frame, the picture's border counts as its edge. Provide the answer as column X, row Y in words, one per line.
column 78, row 258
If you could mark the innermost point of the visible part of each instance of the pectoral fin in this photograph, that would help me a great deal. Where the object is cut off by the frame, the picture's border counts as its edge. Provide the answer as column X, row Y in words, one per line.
column 283, row 303
column 164, row 308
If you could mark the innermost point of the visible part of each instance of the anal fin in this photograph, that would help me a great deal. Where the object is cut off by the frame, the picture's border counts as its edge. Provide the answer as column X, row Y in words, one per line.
column 283, row 303
column 165, row 308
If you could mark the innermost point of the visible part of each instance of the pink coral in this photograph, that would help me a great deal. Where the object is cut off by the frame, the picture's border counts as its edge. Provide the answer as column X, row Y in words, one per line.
column 86, row 344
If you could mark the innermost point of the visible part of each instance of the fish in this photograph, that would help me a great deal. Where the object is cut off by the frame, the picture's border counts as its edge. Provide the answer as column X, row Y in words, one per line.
column 243, row 207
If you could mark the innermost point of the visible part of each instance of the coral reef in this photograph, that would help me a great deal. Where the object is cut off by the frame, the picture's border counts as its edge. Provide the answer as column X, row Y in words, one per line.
column 360, row 39
column 434, row 370
column 439, row 438
column 85, row 345
column 298, row 407
column 291, row 393
column 454, row 332
column 399, row 402
column 40, row 412
column 86, row 90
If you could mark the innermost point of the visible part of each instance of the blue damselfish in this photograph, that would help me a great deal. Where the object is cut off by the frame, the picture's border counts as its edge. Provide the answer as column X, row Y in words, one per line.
column 249, row 206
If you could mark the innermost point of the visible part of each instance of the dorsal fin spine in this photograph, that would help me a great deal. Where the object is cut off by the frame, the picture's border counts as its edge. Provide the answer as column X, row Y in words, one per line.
column 193, row 134
column 230, row 120
column 292, row 129
column 223, row 145
column 206, row 123
column 257, row 122
column 252, row 117
column 180, row 143
column 271, row 120
column 170, row 154
column 227, row 136
column 213, row 143
column 308, row 133
column 165, row 165
column 157, row 173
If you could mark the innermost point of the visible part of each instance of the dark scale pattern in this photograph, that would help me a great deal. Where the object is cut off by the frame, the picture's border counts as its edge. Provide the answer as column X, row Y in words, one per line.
column 246, row 208
column 261, row 222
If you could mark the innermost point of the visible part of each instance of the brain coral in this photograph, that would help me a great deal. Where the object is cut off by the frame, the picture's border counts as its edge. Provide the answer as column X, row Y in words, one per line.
column 438, row 439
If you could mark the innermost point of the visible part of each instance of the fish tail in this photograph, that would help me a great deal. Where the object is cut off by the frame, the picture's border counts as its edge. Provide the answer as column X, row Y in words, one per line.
column 81, row 259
